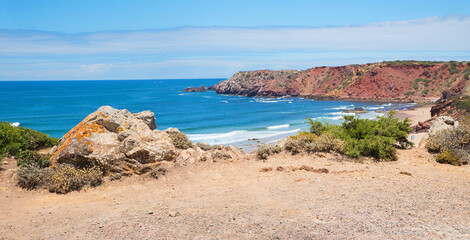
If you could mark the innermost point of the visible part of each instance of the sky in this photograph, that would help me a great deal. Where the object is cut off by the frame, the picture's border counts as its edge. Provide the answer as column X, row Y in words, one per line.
column 142, row 39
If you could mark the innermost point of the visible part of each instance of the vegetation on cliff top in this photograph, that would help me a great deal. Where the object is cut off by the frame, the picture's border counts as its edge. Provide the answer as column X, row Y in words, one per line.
column 354, row 137
column 20, row 142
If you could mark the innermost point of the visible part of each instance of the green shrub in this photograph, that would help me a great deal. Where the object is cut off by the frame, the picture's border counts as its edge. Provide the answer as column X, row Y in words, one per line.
column 32, row 157
column 67, row 178
column 461, row 103
column 364, row 137
column 180, row 140
column 14, row 140
column 453, row 67
column 116, row 176
column 449, row 157
column 264, row 150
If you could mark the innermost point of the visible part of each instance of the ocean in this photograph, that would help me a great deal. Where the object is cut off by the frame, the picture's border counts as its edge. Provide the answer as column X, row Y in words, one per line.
column 54, row 107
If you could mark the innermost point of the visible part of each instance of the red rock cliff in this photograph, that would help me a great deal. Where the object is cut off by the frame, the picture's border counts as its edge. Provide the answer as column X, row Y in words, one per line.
column 400, row 80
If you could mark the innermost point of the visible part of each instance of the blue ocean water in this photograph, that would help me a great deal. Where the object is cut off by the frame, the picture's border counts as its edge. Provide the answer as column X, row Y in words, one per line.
column 54, row 107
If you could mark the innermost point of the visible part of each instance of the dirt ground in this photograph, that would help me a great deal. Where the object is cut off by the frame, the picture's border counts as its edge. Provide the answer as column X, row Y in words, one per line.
column 412, row 198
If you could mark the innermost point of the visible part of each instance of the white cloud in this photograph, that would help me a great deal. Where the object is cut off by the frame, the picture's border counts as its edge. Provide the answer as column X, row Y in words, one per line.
column 221, row 51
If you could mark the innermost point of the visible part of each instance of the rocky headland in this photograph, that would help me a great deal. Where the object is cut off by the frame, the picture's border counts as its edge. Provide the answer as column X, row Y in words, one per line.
column 409, row 81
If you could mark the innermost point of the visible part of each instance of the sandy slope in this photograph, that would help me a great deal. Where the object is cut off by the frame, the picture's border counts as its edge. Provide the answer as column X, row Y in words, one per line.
column 412, row 198
column 235, row 200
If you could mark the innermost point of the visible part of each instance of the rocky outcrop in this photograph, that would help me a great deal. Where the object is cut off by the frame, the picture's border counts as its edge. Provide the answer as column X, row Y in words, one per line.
column 357, row 110
column 195, row 89
column 387, row 81
column 442, row 123
column 119, row 141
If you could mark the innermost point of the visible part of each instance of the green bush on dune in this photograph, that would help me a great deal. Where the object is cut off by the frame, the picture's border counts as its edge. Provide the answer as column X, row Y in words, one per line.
column 356, row 137
column 15, row 140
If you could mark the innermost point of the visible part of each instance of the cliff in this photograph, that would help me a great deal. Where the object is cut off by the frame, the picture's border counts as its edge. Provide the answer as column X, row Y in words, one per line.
column 399, row 80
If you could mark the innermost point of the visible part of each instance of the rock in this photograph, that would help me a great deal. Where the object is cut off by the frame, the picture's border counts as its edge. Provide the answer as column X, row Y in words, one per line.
column 117, row 141
column 423, row 126
column 355, row 110
column 440, row 107
column 148, row 117
column 174, row 214
column 195, row 89
column 442, row 123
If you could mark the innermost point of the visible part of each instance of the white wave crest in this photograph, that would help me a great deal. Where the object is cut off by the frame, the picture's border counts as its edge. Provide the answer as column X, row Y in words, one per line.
column 236, row 136
column 279, row 126
column 15, row 124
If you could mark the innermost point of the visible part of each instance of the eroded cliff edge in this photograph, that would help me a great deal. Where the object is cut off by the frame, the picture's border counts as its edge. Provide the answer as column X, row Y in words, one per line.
column 399, row 81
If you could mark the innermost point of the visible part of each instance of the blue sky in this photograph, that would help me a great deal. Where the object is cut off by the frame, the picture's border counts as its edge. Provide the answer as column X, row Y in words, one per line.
column 60, row 40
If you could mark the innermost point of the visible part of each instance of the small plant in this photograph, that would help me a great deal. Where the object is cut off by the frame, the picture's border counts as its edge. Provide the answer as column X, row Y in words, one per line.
column 180, row 140
column 266, row 150
column 449, row 157
column 32, row 157
column 220, row 155
column 67, row 178
column 327, row 142
column 29, row 176
column 294, row 145
column 204, row 146
column 157, row 172
column 116, row 176
column 306, row 137
column 455, row 138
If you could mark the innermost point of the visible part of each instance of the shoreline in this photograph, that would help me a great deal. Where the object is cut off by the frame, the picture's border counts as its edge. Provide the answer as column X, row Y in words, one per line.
column 415, row 114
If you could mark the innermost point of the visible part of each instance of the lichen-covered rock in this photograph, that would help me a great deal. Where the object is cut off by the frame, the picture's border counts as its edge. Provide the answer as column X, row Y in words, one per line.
column 116, row 140
column 441, row 123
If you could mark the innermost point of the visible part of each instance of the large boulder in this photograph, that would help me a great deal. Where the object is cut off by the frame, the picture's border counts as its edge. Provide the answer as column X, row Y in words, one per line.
column 116, row 140
column 442, row 123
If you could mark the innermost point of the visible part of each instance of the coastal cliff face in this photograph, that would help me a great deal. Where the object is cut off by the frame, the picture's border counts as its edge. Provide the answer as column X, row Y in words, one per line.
column 407, row 81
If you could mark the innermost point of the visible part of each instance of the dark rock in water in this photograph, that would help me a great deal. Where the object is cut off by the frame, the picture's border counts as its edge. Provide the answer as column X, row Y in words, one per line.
column 195, row 89
column 355, row 110
column 379, row 111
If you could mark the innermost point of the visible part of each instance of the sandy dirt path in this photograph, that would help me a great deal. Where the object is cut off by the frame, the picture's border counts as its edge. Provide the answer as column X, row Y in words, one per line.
column 412, row 198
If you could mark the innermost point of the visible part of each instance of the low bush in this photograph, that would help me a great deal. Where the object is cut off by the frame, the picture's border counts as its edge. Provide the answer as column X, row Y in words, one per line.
column 29, row 176
column 365, row 137
column 306, row 137
column 67, row 178
column 32, row 157
column 294, row 145
column 116, row 176
column 449, row 157
column 453, row 145
column 180, row 140
column 455, row 138
column 14, row 140
column 204, row 146
column 220, row 155
column 327, row 142
column 157, row 172
column 265, row 150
